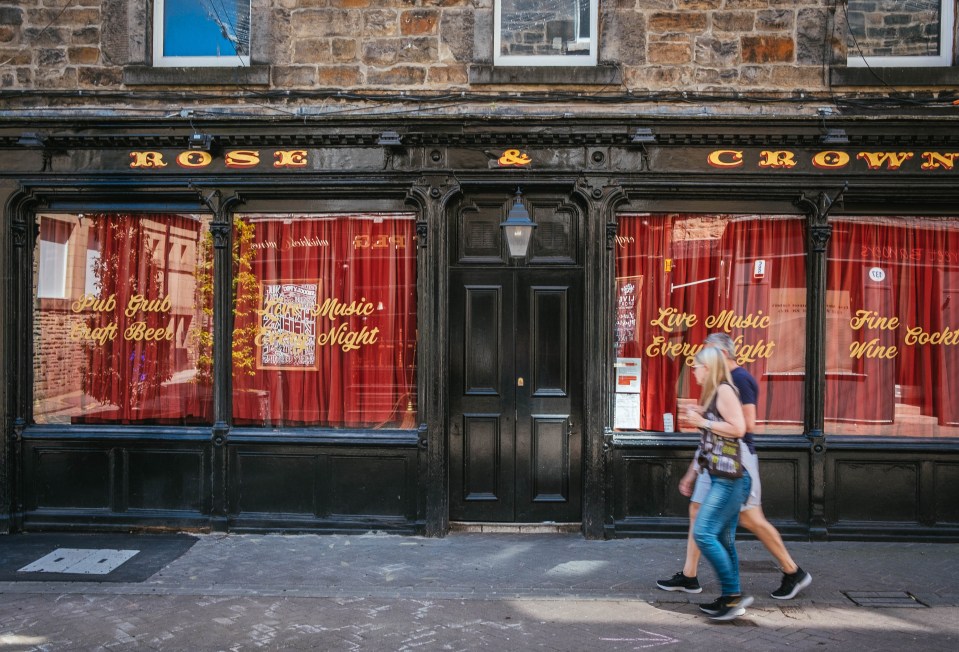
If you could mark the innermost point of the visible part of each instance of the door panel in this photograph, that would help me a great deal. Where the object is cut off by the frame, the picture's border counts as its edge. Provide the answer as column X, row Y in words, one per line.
column 481, row 385
column 550, row 341
column 548, row 352
column 481, row 443
column 515, row 395
column 550, row 460
column 483, row 313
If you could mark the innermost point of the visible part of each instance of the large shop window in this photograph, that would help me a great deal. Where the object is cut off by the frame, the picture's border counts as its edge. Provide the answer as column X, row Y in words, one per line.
column 122, row 319
column 325, row 321
column 680, row 277
column 892, row 356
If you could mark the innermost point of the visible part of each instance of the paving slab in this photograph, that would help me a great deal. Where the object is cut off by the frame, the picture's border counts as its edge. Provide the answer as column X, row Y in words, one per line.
column 480, row 592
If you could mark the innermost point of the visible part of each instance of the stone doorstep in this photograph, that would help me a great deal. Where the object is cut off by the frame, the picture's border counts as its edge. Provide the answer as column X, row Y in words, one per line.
column 515, row 528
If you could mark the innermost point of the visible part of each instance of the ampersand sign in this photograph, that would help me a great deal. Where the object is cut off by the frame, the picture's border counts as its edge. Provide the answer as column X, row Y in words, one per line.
column 513, row 157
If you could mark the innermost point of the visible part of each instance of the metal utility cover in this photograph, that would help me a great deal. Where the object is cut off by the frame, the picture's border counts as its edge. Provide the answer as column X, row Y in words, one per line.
column 895, row 599
column 81, row 561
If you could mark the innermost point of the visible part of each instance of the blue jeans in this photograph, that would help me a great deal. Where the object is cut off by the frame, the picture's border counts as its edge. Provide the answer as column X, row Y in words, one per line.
column 715, row 528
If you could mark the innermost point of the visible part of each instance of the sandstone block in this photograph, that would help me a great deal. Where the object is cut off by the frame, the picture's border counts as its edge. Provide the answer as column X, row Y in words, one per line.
column 768, row 49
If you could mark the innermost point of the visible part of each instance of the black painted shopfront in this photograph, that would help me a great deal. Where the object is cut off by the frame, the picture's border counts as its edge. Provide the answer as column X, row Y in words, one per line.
column 314, row 328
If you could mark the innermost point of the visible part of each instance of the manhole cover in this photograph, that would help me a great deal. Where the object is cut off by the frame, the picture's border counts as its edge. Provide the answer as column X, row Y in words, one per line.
column 80, row 561
column 896, row 599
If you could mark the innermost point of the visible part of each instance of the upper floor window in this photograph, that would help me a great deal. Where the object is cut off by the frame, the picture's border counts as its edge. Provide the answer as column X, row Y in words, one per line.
column 201, row 33
column 545, row 32
column 893, row 33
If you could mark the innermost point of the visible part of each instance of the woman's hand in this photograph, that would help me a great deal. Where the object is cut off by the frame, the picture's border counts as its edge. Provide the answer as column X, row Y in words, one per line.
column 687, row 482
column 695, row 418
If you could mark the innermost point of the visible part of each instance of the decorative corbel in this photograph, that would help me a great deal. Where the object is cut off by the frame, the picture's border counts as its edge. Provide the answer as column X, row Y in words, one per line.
column 430, row 194
column 818, row 207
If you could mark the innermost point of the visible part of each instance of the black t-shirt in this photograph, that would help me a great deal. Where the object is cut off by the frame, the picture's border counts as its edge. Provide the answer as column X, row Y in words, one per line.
column 748, row 395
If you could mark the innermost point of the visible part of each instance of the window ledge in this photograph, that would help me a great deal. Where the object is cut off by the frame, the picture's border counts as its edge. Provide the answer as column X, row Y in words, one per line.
column 149, row 75
column 553, row 75
column 903, row 76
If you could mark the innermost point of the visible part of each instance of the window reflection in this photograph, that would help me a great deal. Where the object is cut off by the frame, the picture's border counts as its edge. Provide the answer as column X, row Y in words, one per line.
column 325, row 321
column 122, row 326
column 202, row 32
column 892, row 356
column 893, row 32
column 683, row 276
column 538, row 31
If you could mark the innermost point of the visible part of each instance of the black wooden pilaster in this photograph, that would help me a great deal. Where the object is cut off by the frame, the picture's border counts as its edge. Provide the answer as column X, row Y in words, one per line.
column 222, row 231
column 818, row 232
column 601, row 198
column 22, row 236
column 431, row 196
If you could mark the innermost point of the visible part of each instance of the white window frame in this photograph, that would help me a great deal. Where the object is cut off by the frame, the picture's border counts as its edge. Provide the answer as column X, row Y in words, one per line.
column 162, row 61
column 589, row 59
column 52, row 272
column 947, row 32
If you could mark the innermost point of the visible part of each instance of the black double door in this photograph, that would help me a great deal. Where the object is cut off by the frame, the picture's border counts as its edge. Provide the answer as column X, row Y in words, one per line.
column 515, row 395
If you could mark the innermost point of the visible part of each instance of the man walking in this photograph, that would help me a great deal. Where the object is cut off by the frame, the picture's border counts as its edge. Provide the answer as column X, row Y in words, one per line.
column 696, row 485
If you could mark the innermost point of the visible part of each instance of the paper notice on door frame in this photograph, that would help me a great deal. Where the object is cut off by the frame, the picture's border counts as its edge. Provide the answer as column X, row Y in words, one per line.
column 627, row 375
column 626, row 411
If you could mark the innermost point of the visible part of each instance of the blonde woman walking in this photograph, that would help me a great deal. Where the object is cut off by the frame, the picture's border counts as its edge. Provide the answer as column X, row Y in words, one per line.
column 714, row 532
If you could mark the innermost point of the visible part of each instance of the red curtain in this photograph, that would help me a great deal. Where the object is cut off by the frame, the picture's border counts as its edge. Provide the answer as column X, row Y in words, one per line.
column 141, row 300
column 328, row 379
column 697, row 275
column 765, row 260
column 885, row 269
column 679, row 279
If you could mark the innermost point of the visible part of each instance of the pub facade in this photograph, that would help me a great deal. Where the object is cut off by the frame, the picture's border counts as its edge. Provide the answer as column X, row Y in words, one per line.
column 357, row 310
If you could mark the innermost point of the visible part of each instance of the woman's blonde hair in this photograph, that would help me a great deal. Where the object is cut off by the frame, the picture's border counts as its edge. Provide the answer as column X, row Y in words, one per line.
column 711, row 358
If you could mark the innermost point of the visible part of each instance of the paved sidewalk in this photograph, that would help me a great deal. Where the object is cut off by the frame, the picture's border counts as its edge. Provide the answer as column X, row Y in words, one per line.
column 482, row 591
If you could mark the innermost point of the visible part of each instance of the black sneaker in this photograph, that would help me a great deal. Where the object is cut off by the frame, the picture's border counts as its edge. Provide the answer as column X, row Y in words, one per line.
column 792, row 584
column 680, row 582
column 712, row 608
column 730, row 606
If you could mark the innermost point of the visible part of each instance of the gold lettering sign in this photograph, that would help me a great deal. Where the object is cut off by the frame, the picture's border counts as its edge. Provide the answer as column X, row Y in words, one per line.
column 136, row 331
column 288, row 334
column 147, row 160
column 242, row 159
column 346, row 339
column 720, row 159
column 915, row 336
column 514, row 158
column 777, row 160
column 379, row 242
column 295, row 158
column 671, row 320
column 194, row 159
column 729, row 159
column 725, row 158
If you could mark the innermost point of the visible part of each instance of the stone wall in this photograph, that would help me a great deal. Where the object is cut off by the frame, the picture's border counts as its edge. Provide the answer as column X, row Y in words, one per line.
column 56, row 369
column 428, row 45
